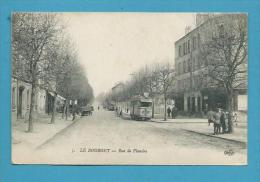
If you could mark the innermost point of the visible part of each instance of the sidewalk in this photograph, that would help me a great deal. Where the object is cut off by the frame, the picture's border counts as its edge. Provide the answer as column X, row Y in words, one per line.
column 42, row 131
column 180, row 120
column 239, row 134
column 200, row 126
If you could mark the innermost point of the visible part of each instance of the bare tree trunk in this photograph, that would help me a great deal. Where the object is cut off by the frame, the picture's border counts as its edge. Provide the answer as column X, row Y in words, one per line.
column 64, row 110
column 230, row 111
column 67, row 110
column 53, row 109
column 153, row 109
column 73, row 111
column 17, row 99
column 165, row 115
column 30, row 123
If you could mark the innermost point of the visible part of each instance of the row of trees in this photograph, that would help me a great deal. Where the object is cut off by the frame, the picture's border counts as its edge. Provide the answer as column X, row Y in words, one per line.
column 156, row 79
column 44, row 56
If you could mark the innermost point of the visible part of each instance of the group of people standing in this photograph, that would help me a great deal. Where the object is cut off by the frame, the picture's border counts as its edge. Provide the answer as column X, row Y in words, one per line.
column 172, row 112
column 220, row 121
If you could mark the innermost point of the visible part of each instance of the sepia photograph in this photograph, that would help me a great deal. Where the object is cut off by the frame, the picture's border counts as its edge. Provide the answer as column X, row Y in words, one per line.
column 132, row 88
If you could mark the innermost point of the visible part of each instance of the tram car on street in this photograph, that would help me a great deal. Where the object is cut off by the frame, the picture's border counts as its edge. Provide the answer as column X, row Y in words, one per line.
column 141, row 108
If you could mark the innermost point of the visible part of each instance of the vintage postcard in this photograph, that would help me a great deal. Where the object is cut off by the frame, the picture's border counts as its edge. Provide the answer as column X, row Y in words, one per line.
column 129, row 88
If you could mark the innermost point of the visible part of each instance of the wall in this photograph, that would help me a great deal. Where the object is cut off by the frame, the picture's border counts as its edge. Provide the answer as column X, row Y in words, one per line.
column 21, row 99
column 242, row 103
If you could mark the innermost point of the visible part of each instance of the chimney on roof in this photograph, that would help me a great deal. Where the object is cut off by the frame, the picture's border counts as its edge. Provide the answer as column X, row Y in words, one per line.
column 187, row 29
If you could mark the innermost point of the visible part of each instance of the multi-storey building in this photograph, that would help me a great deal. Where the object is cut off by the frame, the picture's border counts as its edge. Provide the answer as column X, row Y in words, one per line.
column 196, row 91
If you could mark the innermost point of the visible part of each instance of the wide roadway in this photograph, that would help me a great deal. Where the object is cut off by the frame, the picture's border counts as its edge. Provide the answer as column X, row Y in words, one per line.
column 105, row 138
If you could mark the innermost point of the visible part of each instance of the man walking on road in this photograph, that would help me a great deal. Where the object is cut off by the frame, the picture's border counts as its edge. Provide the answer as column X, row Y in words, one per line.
column 217, row 123
column 169, row 112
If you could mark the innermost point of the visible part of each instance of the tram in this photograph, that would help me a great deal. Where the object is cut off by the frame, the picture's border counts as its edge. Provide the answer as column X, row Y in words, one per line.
column 141, row 108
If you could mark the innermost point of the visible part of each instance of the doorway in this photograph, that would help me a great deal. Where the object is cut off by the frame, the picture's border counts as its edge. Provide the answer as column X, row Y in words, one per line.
column 199, row 104
column 193, row 105
column 20, row 102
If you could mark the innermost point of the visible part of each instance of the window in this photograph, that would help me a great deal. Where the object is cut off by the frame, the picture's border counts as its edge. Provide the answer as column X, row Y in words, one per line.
column 189, row 65
column 183, row 48
column 179, row 51
column 184, row 66
column 195, row 42
column 179, row 68
column 192, row 43
column 198, row 42
column 188, row 46
column 146, row 104
column 28, row 98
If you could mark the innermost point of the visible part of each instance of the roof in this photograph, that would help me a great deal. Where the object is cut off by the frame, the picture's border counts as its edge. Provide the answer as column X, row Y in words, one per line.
column 186, row 35
column 141, row 98
column 197, row 27
column 118, row 84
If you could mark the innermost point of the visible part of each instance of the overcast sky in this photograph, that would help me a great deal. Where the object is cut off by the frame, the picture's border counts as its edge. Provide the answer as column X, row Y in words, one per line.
column 113, row 45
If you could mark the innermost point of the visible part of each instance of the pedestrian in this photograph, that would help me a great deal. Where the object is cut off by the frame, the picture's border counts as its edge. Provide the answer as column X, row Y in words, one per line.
column 211, row 117
column 235, row 118
column 223, row 121
column 98, row 107
column 118, row 111
column 169, row 111
column 217, row 124
column 174, row 112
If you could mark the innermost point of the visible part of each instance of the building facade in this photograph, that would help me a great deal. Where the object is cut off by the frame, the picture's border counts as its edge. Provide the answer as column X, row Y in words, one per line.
column 21, row 91
column 196, row 91
column 119, row 87
column 21, row 99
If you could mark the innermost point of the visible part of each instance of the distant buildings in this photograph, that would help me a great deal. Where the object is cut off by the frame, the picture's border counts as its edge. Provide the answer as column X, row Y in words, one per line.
column 196, row 92
column 117, row 88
